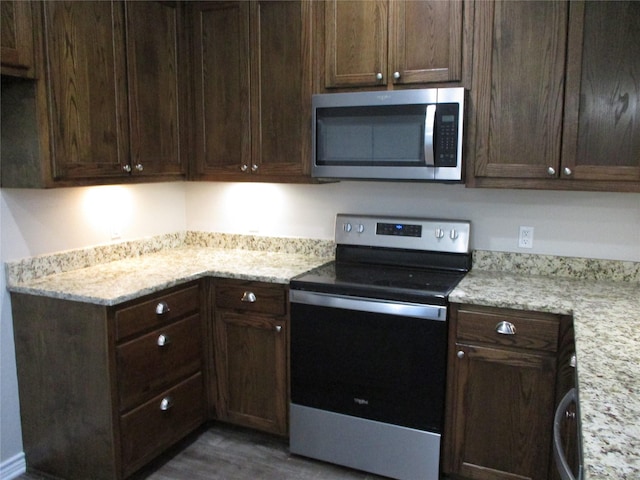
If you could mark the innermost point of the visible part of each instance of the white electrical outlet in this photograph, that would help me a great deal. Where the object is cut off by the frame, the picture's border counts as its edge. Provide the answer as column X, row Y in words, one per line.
column 115, row 232
column 525, row 239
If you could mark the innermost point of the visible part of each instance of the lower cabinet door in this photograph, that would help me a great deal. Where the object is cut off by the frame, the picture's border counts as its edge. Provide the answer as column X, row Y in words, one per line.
column 502, row 403
column 252, row 370
column 152, row 427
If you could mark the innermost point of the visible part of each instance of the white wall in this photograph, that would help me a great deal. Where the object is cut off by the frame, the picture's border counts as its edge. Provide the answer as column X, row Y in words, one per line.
column 33, row 222
column 579, row 224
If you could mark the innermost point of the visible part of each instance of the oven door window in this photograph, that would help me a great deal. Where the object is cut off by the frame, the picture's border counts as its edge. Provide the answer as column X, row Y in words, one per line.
column 370, row 365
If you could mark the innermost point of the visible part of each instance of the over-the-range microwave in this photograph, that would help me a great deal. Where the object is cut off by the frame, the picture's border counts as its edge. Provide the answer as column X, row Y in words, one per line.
column 389, row 135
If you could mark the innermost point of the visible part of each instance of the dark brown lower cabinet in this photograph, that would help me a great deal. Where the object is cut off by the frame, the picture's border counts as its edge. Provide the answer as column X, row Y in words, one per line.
column 501, row 393
column 250, row 342
column 104, row 390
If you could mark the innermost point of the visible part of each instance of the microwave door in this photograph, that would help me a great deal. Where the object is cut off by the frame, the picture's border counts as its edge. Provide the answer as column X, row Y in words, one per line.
column 429, row 122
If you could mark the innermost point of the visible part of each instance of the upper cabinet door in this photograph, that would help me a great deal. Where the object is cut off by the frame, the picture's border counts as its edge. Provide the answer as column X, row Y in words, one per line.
column 87, row 88
column 602, row 119
column 518, row 87
column 16, row 39
column 425, row 41
column 156, row 91
column 355, row 43
column 221, row 88
column 281, row 88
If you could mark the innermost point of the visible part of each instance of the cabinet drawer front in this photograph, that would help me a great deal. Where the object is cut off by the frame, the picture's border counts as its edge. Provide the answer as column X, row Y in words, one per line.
column 163, row 420
column 151, row 363
column 251, row 297
column 530, row 332
column 159, row 310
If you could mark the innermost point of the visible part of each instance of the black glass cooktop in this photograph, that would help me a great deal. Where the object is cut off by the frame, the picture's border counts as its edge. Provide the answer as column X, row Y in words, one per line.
column 380, row 281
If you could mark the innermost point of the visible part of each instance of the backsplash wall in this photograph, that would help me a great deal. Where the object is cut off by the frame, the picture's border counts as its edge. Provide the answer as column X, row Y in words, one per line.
column 576, row 224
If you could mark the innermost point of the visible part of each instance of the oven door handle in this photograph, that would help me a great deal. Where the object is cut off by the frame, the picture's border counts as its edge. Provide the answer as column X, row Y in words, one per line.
column 386, row 307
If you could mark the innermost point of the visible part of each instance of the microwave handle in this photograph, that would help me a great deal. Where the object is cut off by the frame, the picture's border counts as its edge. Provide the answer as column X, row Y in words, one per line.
column 429, row 125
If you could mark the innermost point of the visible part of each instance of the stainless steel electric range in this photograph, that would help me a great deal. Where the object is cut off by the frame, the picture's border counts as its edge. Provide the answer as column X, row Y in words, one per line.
column 368, row 345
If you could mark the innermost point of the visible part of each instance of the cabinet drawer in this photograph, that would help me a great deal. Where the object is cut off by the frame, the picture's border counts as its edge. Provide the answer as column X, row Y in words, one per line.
column 153, row 362
column 251, row 297
column 533, row 331
column 159, row 310
column 163, row 420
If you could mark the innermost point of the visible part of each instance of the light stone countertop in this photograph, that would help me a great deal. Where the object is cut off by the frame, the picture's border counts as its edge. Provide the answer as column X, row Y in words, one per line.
column 122, row 280
column 603, row 297
column 606, row 318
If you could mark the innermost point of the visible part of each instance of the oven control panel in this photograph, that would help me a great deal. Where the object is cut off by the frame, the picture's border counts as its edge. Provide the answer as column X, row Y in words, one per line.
column 439, row 235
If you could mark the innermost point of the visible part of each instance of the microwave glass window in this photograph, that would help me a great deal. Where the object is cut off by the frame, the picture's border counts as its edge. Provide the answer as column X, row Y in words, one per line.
column 355, row 136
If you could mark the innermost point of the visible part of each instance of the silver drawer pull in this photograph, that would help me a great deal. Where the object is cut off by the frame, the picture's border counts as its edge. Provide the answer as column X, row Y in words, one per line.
column 162, row 308
column 249, row 297
column 163, row 340
column 166, row 403
column 506, row 328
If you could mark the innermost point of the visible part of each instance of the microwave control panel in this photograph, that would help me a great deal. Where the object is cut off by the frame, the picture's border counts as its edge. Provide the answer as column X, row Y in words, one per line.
column 446, row 133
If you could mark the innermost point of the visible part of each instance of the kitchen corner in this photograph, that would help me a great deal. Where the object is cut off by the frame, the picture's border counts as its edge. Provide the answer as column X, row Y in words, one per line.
column 603, row 297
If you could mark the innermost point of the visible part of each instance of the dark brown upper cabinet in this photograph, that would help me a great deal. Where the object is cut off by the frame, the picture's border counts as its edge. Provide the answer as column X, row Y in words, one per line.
column 385, row 43
column 252, row 90
column 602, row 104
column 555, row 102
column 109, row 107
column 16, row 39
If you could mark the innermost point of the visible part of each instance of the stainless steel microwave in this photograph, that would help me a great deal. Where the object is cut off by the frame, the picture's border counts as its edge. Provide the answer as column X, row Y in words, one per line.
column 389, row 135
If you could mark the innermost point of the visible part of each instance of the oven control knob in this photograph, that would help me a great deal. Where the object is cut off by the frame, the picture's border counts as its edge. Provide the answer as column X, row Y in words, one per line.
column 360, row 228
column 453, row 234
column 347, row 227
column 439, row 233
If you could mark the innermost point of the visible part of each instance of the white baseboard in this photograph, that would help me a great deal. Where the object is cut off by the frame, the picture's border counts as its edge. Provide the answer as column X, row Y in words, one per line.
column 13, row 467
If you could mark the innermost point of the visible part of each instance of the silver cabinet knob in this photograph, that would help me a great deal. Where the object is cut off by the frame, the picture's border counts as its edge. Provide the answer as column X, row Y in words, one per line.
column 162, row 308
column 248, row 297
column 126, row 168
column 570, row 415
column 244, row 168
column 506, row 328
column 396, row 75
column 551, row 171
column 254, row 167
column 278, row 328
column 460, row 354
column 567, row 171
column 163, row 340
column 379, row 76
column 166, row 403
column 139, row 167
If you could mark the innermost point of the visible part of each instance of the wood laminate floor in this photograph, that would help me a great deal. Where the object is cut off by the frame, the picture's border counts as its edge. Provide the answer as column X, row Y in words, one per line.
column 228, row 453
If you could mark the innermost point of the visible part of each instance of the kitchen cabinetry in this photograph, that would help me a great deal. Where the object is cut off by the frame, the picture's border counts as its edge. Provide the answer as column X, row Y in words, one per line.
column 16, row 39
column 109, row 106
column 103, row 390
column 390, row 43
column 252, row 90
column 561, row 114
column 501, row 388
column 250, row 342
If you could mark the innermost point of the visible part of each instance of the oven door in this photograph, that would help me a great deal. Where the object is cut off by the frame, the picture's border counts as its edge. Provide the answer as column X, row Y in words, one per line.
column 378, row 360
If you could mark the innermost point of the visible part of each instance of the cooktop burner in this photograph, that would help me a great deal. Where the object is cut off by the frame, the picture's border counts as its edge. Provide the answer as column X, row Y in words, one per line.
column 379, row 281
